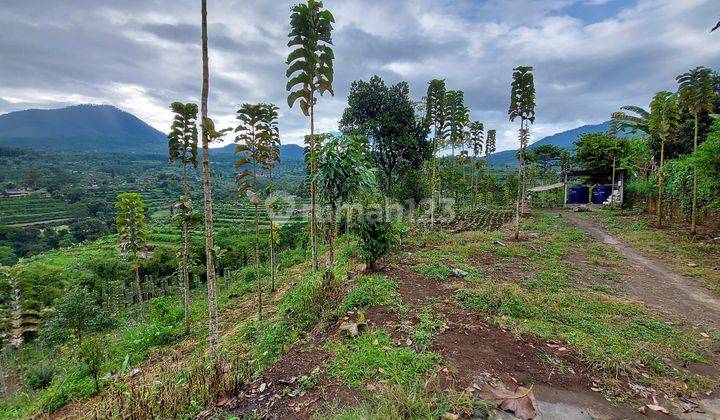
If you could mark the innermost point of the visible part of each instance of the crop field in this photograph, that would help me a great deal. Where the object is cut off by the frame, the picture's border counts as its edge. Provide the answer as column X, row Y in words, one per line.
column 32, row 209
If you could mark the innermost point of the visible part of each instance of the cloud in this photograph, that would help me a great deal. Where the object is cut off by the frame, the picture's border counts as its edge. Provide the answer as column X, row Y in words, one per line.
column 590, row 56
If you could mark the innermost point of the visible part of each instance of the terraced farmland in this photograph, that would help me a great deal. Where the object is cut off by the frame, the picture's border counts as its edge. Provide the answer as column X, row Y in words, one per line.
column 32, row 209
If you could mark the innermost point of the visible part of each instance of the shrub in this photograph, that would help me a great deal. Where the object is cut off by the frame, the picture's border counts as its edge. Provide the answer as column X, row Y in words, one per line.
column 39, row 376
column 377, row 239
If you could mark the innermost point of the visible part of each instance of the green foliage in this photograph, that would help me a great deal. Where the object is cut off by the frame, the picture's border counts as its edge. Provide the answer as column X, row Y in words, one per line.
column 377, row 238
column 475, row 137
column 310, row 64
column 386, row 116
column 522, row 94
column 92, row 355
column 371, row 291
column 594, row 150
column 76, row 314
column 664, row 116
column 258, row 143
column 697, row 90
column 342, row 169
column 457, row 117
column 371, row 356
column 436, row 270
column 707, row 161
column 183, row 137
column 635, row 121
column 490, row 142
column 131, row 226
column 39, row 376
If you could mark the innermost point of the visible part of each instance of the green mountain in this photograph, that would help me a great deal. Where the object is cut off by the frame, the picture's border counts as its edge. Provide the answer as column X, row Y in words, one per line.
column 89, row 128
column 565, row 139
column 94, row 128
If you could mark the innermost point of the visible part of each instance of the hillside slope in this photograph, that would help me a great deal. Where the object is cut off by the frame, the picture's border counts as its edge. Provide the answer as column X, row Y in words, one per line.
column 101, row 128
column 565, row 139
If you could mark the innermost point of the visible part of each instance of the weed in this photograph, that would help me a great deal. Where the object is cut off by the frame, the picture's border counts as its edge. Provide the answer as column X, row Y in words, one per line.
column 371, row 356
column 371, row 291
column 436, row 271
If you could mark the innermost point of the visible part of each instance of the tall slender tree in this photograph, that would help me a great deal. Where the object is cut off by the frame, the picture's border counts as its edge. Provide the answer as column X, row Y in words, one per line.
column 207, row 190
column 310, row 69
column 490, row 148
column 132, row 234
column 182, row 146
column 257, row 138
column 457, row 116
column 663, row 124
column 435, row 118
column 476, row 135
column 522, row 104
column 696, row 91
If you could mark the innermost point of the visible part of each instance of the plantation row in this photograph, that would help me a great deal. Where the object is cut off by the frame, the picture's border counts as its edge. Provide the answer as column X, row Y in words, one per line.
column 32, row 209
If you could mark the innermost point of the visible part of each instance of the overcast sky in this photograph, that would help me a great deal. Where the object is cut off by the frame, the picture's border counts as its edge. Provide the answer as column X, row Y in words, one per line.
column 590, row 56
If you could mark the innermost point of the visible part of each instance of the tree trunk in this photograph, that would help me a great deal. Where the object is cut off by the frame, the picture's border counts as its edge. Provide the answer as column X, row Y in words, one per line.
column 186, row 256
column 138, row 291
column 313, row 189
column 347, row 222
column 331, row 239
column 432, row 179
column 272, row 243
column 207, row 192
column 660, row 182
column 612, row 184
column 257, row 259
column 520, row 185
column 693, row 225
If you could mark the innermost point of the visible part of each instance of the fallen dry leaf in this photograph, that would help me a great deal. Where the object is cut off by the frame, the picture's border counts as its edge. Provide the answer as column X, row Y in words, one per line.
column 657, row 408
column 351, row 328
column 519, row 402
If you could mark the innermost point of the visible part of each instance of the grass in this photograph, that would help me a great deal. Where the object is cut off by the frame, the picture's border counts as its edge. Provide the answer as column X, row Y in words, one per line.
column 610, row 333
column 372, row 357
column 423, row 332
column 371, row 291
column 676, row 248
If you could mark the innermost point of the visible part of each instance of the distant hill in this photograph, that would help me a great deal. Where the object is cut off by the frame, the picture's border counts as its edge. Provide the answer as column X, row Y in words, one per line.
column 100, row 128
column 566, row 140
column 94, row 128
column 287, row 151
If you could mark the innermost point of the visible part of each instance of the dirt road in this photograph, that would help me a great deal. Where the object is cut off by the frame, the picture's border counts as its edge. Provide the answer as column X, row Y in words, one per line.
column 654, row 283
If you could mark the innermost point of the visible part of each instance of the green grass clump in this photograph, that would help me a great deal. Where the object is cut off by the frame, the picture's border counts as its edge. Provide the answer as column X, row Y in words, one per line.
column 608, row 332
column 437, row 271
column 371, row 291
column 371, row 356
column 423, row 332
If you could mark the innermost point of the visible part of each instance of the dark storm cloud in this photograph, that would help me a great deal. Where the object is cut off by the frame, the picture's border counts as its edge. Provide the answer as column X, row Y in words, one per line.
column 590, row 56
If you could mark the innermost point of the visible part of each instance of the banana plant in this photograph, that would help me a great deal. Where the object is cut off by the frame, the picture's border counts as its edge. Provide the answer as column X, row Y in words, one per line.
column 310, row 70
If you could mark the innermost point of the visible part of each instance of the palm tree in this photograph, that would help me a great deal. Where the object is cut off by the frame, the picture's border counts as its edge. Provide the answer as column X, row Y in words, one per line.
column 257, row 134
column 456, row 118
column 207, row 191
column 663, row 124
column 476, row 133
column 697, row 91
column 310, row 71
column 132, row 234
column 636, row 120
column 182, row 146
column 522, row 104
column 435, row 117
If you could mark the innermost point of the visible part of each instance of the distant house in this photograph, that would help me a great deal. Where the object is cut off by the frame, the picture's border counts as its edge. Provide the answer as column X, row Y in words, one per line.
column 22, row 192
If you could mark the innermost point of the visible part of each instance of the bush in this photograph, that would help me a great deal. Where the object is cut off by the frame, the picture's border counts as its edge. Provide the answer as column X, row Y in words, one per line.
column 377, row 239
column 39, row 376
